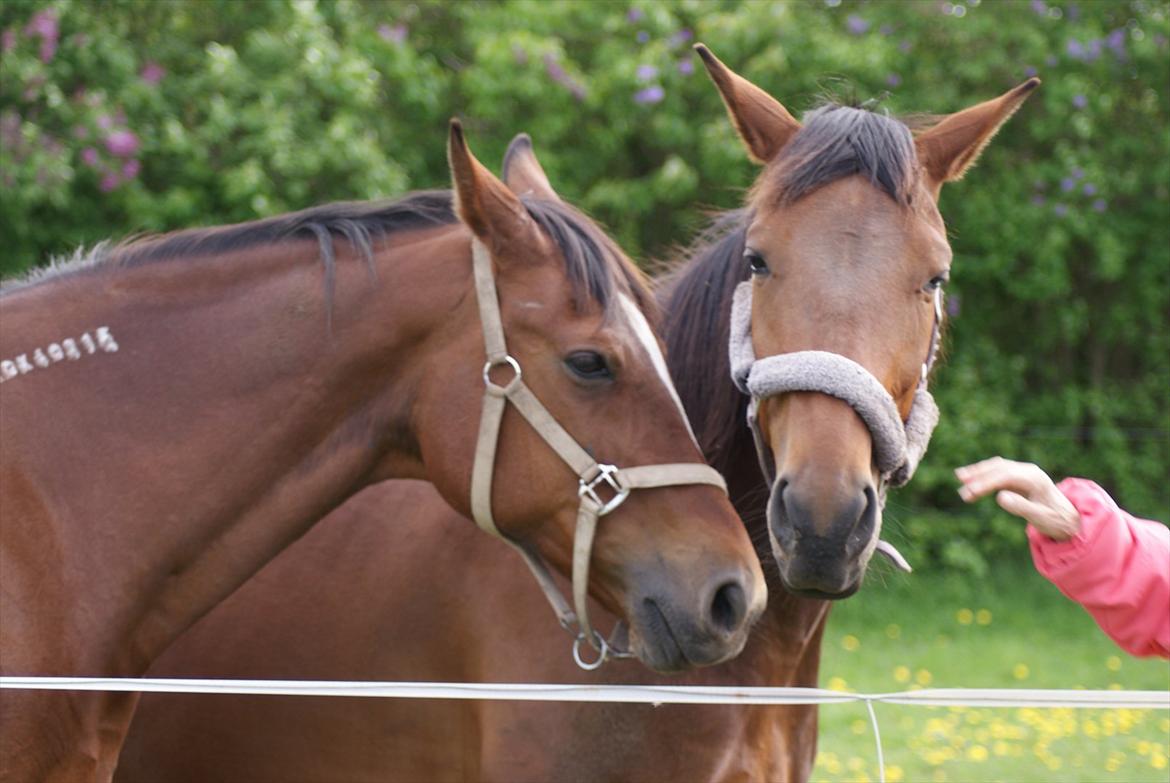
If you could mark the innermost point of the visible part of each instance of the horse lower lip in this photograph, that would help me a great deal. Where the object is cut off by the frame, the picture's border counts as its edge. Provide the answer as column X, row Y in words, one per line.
column 669, row 650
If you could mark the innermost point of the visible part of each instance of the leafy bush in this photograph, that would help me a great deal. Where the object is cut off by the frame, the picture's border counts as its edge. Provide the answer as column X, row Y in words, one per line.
column 127, row 116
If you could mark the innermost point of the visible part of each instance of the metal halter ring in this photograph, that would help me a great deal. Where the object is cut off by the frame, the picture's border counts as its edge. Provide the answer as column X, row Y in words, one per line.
column 603, row 649
column 495, row 388
column 606, row 473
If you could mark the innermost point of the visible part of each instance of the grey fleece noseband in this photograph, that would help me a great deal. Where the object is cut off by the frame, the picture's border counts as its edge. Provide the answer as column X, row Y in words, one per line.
column 898, row 445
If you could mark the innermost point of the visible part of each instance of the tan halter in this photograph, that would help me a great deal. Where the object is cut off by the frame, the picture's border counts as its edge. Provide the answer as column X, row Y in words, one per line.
column 592, row 475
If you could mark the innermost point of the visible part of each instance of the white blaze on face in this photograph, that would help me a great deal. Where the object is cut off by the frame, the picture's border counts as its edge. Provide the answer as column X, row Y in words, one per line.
column 645, row 335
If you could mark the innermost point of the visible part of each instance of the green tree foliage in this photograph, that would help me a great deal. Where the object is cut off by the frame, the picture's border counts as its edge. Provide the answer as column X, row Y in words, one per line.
column 124, row 116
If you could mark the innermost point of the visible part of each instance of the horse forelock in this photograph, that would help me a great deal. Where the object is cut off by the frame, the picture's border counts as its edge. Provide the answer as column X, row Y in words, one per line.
column 838, row 141
column 596, row 267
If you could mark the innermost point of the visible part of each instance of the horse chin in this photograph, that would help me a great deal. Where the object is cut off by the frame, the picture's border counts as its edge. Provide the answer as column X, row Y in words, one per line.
column 813, row 580
column 653, row 641
column 821, row 594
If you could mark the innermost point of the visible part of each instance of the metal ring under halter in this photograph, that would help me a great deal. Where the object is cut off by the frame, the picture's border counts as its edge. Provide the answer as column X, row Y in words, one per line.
column 591, row 475
column 601, row 658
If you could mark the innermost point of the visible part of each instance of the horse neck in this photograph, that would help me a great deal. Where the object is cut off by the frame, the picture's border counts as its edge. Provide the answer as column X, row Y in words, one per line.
column 784, row 647
column 248, row 403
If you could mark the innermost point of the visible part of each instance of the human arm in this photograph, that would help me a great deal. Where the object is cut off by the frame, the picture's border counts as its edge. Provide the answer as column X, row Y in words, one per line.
column 1115, row 565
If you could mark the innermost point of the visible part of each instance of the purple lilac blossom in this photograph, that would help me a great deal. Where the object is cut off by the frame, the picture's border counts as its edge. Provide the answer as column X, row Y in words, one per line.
column 681, row 37
column 1099, row 205
column 646, row 72
column 686, row 67
column 642, row 36
column 855, row 24
column 652, row 94
column 1060, row 210
column 1080, row 101
column 1116, row 43
column 152, row 73
column 893, row 80
column 109, row 182
column 954, row 305
column 1089, row 189
column 89, row 156
column 1067, row 184
column 394, row 34
column 558, row 75
column 1029, row 72
column 122, row 143
column 131, row 168
column 1039, row 7
column 44, row 24
column 635, row 15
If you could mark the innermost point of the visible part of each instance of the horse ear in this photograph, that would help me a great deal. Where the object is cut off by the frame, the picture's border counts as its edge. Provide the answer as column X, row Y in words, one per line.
column 523, row 173
column 763, row 123
column 949, row 148
column 483, row 202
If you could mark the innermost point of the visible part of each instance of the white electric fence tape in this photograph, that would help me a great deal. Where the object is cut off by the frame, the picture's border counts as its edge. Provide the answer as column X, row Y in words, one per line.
column 626, row 694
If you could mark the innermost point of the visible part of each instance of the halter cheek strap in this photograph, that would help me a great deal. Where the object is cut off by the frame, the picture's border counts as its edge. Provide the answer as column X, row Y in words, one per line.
column 898, row 445
column 601, row 488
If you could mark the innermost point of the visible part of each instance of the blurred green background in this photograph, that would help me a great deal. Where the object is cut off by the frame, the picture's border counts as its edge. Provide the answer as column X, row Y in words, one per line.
column 125, row 116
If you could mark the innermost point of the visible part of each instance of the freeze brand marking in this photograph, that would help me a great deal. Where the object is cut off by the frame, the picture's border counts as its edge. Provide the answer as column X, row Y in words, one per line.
column 68, row 350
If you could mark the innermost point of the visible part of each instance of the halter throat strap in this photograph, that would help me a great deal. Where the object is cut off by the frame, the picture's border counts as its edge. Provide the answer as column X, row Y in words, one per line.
column 601, row 488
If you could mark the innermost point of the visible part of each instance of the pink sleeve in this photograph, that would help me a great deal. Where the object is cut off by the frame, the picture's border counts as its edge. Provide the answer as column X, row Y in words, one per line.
column 1117, row 567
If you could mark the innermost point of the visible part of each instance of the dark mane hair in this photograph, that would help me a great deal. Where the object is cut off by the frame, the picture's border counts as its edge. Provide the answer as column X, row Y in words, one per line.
column 697, row 327
column 594, row 264
column 838, row 141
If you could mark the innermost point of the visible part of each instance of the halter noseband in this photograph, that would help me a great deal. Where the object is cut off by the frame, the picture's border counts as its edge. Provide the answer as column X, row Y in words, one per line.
column 898, row 445
column 592, row 476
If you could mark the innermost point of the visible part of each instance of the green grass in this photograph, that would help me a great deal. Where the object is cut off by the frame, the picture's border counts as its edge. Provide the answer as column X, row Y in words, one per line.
column 1009, row 630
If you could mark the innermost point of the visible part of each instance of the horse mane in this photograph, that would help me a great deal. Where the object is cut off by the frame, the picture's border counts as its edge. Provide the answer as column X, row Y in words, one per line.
column 838, row 141
column 697, row 327
column 594, row 264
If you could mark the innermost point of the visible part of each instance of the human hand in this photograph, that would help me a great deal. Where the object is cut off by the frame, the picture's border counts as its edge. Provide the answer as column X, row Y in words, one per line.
column 1022, row 489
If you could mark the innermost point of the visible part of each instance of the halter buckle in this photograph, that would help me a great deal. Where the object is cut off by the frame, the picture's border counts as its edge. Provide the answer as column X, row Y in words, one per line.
column 506, row 388
column 608, row 475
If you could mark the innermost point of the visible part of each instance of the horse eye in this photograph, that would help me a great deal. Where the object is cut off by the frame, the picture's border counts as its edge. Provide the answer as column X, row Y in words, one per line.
column 937, row 282
column 588, row 366
column 756, row 261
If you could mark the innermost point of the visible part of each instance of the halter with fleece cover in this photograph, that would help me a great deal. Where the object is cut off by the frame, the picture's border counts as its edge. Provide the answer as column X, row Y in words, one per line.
column 898, row 445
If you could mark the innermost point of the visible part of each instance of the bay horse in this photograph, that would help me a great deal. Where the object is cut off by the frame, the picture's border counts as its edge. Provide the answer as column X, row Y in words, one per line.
column 853, row 257
column 178, row 410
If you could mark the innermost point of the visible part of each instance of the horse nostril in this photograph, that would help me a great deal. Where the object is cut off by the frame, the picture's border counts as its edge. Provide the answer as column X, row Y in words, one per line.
column 779, row 519
column 728, row 607
column 866, row 522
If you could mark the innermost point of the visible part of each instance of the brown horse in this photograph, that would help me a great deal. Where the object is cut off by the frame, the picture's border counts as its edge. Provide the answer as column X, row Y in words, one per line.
column 853, row 255
column 178, row 410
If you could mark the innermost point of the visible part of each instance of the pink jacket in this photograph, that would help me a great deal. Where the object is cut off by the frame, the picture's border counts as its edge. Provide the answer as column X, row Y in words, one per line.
column 1117, row 567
